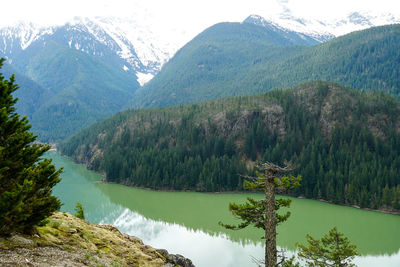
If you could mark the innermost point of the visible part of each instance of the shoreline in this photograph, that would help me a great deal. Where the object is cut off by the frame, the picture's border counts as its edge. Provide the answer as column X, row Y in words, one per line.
column 391, row 212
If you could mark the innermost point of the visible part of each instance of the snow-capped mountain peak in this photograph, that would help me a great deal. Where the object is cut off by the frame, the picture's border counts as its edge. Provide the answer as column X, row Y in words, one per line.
column 276, row 27
column 359, row 21
column 22, row 35
column 327, row 29
column 137, row 45
column 286, row 22
column 140, row 50
column 143, row 49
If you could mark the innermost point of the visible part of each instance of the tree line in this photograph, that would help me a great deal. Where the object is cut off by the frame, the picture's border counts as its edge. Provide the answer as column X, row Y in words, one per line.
column 349, row 155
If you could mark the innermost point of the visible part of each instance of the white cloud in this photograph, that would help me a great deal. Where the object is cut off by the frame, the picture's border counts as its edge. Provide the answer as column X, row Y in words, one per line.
column 183, row 14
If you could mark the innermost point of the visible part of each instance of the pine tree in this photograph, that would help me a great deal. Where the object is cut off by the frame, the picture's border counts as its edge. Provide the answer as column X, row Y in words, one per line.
column 26, row 179
column 263, row 213
column 333, row 250
column 79, row 212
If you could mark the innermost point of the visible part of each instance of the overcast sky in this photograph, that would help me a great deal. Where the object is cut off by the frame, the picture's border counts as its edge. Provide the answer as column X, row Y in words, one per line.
column 197, row 14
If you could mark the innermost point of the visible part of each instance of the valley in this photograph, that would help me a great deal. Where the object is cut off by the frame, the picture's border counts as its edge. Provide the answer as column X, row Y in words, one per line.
column 158, row 128
column 344, row 157
column 87, row 69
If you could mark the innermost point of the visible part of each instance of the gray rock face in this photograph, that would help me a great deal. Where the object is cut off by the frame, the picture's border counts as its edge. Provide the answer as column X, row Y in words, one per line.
column 175, row 259
column 182, row 261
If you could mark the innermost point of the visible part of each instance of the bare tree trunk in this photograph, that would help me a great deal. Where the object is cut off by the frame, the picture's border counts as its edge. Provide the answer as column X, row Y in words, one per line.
column 270, row 221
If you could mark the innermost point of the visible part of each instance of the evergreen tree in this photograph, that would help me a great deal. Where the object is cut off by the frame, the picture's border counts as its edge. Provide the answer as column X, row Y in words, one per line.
column 332, row 250
column 341, row 160
column 26, row 179
column 79, row 211
column 263, row 214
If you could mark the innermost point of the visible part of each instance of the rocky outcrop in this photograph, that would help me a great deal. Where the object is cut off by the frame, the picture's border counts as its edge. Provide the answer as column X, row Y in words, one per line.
column 68, row 241
column 175, row 259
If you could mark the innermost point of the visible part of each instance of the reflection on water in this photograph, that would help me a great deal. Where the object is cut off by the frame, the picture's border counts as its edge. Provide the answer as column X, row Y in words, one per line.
column 205, row 249
column 381, row 260
column 195, row 211
column 202, row 248
column 187, row 223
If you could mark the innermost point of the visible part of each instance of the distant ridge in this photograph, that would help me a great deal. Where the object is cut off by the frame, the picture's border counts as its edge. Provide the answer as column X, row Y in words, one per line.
column 231, row 59
column 260, row 21
column 115, row 56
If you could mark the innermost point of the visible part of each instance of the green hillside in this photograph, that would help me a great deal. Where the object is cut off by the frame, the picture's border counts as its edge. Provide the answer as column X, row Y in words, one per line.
column 30, row 94
column 213, row 63
column 81, row 89
column 238, row 59
column 87, row 90
column 346, row 144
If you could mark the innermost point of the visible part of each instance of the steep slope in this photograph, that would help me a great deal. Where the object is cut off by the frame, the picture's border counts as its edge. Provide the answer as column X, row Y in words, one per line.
column 86, row 90
column 30, row 94
column 367, row 59
column 123, row 43
column 221, row 62
column 290, row 30
column 324, row 29
column 345, row 143
column 213, row 64
column 75, row 74
column 228, row 59
column 144, row 47
column 76, row 79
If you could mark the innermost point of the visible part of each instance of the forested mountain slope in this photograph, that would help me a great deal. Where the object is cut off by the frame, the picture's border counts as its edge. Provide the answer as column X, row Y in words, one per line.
column 213, row 64
column 85, row 89
column 67, row 90
column 346, row 143
column 30, row 94
column 68, row 78
column 236, row 59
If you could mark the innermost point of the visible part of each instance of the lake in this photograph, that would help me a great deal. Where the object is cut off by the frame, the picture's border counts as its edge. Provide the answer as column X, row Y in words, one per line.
column 187, row 222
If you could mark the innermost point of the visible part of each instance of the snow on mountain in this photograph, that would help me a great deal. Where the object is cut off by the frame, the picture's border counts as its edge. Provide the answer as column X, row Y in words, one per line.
column 143, row 47
column 325, row 30
column 94, row 38
column 21, row 36
column 359, row 21
column 144, row 77
column 141, row 50
column 273, row 26
column 149, row 48
column 138, row 44
column 310, row 28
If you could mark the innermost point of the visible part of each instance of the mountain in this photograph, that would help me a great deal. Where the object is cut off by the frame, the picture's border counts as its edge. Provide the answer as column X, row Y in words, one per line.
column 326, row 29
column 296, row 38
column 143, row 48
column 123, row 42
column 346, row 144
column 77, row 73
column 82, row 73
column 116, row 56
column 305, row 31
column 30, row 94
column 86, row 90
column 212, row 65
column 80, row 89
column 243, row 58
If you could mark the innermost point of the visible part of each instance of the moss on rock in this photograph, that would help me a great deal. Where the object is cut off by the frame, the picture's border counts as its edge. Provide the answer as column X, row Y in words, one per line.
column 68, row 240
